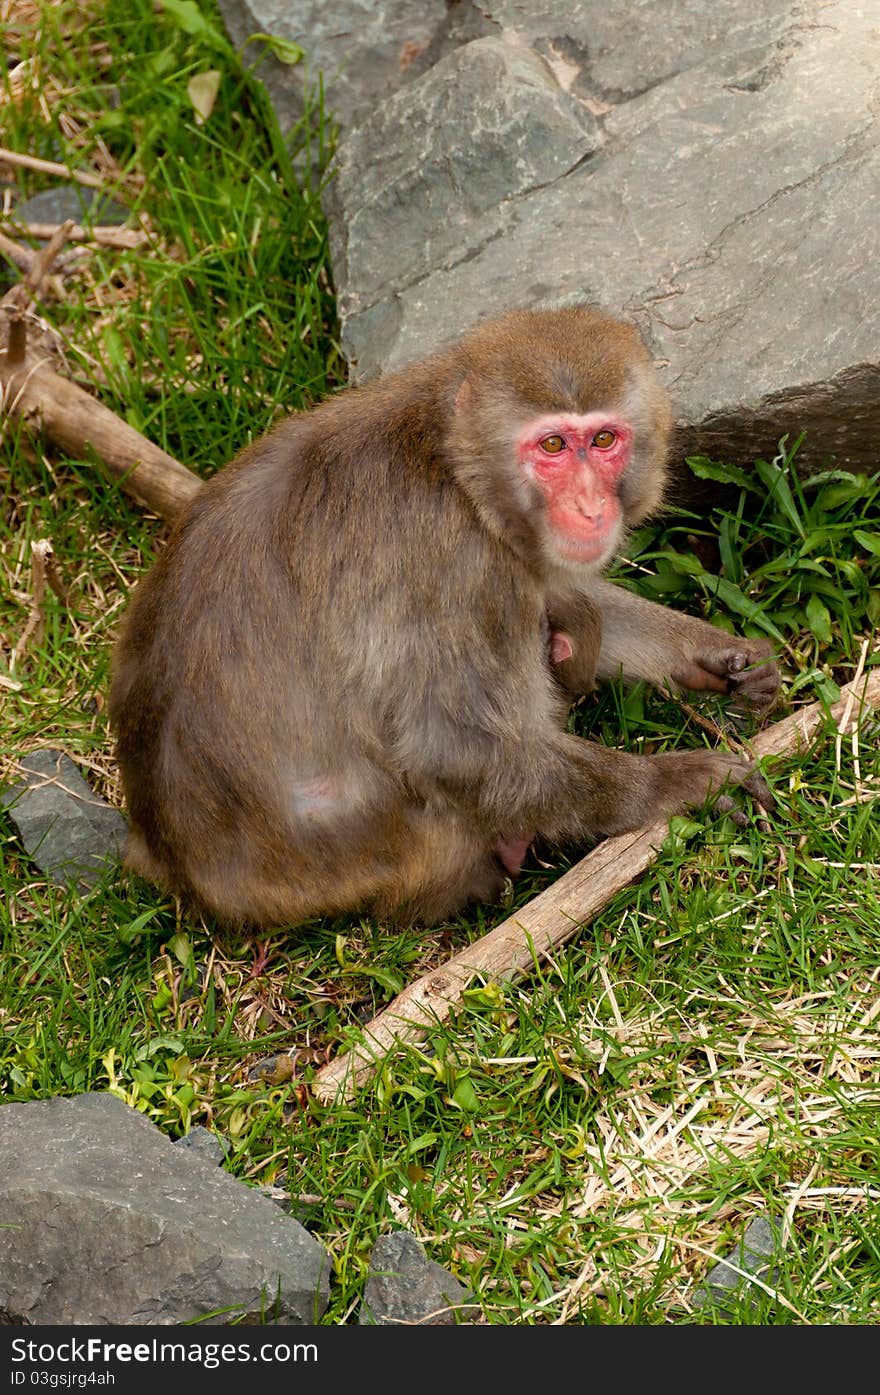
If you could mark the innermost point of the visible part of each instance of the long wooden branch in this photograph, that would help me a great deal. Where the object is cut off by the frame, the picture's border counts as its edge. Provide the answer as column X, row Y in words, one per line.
column 75, row 421
column 51, row 404
column 513, row 947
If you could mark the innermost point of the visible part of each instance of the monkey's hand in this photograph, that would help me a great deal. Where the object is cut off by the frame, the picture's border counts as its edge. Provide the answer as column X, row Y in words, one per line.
column 743, row 668
column 688, row 778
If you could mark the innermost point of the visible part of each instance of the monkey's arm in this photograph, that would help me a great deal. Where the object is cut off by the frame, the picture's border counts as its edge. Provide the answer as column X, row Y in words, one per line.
column 641, row 639
column 571, row 790
column 499, row 754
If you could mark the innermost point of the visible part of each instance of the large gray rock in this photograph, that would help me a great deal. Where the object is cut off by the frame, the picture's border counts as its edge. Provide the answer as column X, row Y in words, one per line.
column 70, row 832
column 105, row 1220
column 489, row 123
column 726, row 201
column 611, row 52
column 361, row 49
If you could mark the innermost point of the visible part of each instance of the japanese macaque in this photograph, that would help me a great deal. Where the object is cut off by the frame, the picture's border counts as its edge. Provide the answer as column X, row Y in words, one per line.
column 344, row 684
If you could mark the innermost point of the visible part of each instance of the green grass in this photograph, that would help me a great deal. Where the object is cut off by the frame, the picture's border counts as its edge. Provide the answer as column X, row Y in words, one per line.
column 577, row 1147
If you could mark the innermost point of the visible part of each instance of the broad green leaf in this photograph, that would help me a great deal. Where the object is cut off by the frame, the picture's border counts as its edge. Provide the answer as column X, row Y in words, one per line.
column 731, row 556
column 819, row 619
column 157, row 1044
column 685, row 563
column 734, row 599
column 778, row 487
column 388, row 980
column 706, row 469
column 285, row 50
column 869, row 541
column 161, row 63
column 129, row 933
column 464, row 1095
column 114, row 347
column 827, row 689
column 187, row 15
column 424, row 1140
column 855, row 484
column 181, row 947
column 684, row 828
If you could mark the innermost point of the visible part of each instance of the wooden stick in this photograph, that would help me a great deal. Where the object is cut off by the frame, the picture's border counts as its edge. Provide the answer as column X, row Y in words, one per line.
column 77, row 422
column 552, row 918
column 104, row 236
column 36, row 620
column 47, row 402
column 32, row 162
column 20, row 295
column 21, row 257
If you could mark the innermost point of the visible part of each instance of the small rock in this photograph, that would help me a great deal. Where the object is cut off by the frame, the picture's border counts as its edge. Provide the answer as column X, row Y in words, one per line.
column 205, row 1144
column 63, row 201
column 69, row 831
column 404, row 1286
column 754, row 1255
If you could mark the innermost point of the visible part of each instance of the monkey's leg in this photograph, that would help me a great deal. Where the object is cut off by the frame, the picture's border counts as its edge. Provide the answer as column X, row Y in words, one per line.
column 446, row 863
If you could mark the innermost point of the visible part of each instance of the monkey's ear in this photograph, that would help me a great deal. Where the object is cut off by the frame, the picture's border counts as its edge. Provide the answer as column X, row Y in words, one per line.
column 464, row 397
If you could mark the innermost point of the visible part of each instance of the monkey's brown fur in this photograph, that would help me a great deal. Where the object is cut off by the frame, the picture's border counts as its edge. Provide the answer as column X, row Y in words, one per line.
column 332, row 691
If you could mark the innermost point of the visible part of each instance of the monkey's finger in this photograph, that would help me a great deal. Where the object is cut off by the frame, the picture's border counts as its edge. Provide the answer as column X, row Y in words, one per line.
column 723, row 662
column 760, row 791
column 760, row 700
column 700, row 678
column 756, row 687
column 738, row 658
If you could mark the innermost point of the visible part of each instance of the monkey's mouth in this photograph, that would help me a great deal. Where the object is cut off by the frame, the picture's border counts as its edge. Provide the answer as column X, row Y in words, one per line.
column 586, row 551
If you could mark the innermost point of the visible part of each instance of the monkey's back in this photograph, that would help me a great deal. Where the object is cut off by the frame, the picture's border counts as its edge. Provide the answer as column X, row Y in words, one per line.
column 279, row 666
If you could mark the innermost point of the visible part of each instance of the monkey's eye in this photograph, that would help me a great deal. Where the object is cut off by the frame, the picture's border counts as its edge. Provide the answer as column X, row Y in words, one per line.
column 604, row 440
column 553, row 444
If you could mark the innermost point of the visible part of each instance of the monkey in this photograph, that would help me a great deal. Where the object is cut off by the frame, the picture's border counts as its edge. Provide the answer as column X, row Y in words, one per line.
column 343, row 686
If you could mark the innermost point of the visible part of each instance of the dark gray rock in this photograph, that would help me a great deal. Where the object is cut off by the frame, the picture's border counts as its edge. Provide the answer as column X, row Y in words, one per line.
column 727, row 205
column 63, row 201
column 210, row 1147
column 404, row 1286
column 70, row 832
column 106, row 1221
column 363, row 49
column 606, row 54
column 754, row 1255
column 487, row 124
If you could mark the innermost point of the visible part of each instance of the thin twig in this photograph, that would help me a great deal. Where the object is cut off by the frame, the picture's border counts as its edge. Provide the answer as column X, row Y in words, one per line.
column 31, row 162
column 21, row 257
column 20, row 296
column 24, row 258
column 33, row 628
column 126, row 239
column 53, row 575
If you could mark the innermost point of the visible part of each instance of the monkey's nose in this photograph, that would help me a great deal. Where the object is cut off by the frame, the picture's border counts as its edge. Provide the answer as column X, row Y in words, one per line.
column 592, row 509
